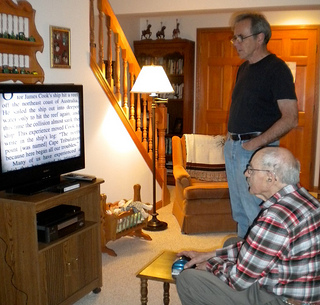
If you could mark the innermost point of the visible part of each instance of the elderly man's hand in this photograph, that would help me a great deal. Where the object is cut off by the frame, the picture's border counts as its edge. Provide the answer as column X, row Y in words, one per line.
column 198, row 259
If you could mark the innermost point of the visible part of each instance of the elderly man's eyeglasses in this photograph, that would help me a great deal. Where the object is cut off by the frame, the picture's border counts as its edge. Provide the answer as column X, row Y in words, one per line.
column 240, row 38
column 250, row 170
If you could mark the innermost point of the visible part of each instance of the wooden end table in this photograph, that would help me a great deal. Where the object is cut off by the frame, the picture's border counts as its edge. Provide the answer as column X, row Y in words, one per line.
column 159, row 269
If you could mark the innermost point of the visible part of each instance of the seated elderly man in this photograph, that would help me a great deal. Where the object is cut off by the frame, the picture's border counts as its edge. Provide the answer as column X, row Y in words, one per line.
column 278, row 262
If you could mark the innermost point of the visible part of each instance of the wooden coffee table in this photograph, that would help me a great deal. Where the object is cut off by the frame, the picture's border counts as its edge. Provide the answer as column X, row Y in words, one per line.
column 159, row 269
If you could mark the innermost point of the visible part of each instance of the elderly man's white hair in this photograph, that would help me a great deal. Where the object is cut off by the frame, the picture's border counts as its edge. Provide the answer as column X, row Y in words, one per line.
column 282, row 162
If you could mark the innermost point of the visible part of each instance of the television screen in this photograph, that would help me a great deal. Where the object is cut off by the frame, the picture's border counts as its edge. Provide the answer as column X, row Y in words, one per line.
column 41, row 134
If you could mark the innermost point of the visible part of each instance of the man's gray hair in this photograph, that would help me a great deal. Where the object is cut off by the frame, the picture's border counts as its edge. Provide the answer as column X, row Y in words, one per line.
column 286, row 168
column 259, row 23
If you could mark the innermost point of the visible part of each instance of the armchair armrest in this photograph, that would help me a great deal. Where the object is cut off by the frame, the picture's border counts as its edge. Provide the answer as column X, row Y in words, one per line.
column 181, row 176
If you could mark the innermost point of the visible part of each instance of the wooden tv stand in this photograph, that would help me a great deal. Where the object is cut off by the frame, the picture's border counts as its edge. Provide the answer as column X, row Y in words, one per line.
column 60, row 272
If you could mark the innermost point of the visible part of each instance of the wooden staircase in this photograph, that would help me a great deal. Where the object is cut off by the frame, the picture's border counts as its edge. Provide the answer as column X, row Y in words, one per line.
column 116, row 68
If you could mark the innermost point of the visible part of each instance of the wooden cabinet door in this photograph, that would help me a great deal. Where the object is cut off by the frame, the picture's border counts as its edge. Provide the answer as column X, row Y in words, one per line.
column 69, row 266
column 217, row 65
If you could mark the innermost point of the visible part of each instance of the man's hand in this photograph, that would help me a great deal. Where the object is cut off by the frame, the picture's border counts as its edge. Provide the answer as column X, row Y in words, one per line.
column 199, row 259
column 249, row 146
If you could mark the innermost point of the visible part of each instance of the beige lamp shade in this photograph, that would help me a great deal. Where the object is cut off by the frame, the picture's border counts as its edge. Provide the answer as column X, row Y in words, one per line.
column 152, row 79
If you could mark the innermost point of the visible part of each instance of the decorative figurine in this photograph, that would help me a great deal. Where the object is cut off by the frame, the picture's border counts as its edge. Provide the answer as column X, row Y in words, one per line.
column 176, row 31
column 160, row 34
column 146, row 34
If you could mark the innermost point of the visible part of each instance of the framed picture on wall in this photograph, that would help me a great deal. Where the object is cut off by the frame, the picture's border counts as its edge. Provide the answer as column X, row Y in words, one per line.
column 60, row 48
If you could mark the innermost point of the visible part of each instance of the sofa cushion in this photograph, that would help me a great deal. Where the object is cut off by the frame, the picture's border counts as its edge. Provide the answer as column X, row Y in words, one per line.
column 207, row 207
column 203, row 190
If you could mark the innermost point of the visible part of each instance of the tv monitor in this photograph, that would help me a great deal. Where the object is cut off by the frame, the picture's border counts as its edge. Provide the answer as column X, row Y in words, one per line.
column 41, row 135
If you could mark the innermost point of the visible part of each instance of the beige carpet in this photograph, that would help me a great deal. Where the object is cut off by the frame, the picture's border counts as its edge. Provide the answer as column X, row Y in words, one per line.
column 120, row 285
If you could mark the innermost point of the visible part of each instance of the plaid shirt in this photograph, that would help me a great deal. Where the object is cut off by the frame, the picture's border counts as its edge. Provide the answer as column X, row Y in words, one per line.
column 281, row 251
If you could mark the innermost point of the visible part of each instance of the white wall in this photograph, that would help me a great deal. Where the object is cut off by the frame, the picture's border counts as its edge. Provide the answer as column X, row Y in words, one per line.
column 166, row 7
column 106, row 154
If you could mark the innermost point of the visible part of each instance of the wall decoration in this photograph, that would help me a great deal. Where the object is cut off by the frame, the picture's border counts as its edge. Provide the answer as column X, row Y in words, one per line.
column 146, row 34
column 176, row 31
column 60, row 49
column 160, row 34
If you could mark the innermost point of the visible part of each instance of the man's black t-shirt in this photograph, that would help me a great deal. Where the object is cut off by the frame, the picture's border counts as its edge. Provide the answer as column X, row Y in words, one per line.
column 258, row 86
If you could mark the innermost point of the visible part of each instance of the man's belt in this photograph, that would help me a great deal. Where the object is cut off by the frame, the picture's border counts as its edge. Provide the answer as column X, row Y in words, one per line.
column 243, row 136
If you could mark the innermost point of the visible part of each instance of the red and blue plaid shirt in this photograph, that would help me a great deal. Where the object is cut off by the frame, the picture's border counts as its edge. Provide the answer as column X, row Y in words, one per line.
column 281, row 251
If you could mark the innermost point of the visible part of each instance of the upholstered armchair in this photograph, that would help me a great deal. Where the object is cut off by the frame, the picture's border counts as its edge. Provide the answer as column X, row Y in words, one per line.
column 201, row 202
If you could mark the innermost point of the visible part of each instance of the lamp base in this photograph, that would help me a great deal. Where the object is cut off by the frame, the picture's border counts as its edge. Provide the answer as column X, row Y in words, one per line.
column 155, row 225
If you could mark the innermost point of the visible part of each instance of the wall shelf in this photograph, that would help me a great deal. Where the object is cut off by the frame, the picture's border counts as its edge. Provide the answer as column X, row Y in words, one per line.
column 19, row 53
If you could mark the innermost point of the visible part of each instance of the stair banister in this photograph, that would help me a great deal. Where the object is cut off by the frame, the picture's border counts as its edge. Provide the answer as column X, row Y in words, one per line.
column 116, row 85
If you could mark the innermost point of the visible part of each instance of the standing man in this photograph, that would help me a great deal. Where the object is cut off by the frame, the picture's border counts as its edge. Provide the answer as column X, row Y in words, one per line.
column 263, row 109
column 279, row 261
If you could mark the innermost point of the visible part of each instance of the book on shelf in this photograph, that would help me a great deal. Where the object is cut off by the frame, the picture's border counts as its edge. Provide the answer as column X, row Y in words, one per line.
column 169, row 167
column 168, row 146
column 177, row 94
column 175, row 66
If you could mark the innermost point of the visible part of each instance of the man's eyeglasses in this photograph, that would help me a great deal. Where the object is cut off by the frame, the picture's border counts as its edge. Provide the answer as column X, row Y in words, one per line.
column 240, row 38
column 250, row 170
